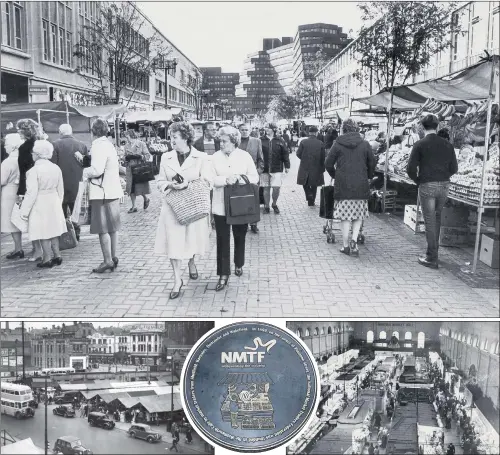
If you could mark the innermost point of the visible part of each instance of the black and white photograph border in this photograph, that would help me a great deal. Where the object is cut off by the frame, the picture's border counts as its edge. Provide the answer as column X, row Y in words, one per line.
column 119, row 255
column 403, row 387
column 102, row 387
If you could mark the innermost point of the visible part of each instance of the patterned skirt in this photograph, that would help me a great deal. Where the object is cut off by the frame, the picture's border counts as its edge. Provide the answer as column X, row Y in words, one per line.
column 350, row 210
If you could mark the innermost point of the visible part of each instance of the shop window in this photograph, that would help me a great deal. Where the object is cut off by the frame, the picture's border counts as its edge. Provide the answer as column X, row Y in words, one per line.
column 382, row 335
column 408, row 336
column 421, row 340
column 369, row 337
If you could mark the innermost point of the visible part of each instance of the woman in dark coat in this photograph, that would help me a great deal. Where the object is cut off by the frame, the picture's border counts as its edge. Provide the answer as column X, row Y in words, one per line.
column 351, row 163
column 311, row 154
column 30, row 132
column 136, row 152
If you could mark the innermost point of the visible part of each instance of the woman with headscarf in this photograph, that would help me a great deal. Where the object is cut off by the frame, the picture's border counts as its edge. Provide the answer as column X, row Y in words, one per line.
column 29, row 131
column 136, row 152
column 178, row 168
column 42, row 203
column 229, row 164
column 10, row 185
column 351, row 163
column 105, row 191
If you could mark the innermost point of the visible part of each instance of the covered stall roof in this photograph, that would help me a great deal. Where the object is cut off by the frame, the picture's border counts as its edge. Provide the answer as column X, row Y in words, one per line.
column 26, row 446
column 246, row 378
column 160, row 404
column 128, row 402
column 382, row 99
column 163, row 115
column 109, row 397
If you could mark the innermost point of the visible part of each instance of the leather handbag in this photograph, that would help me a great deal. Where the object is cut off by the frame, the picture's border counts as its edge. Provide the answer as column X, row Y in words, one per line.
column 242, row 203
column 143, row 172
column 326, row 203
column 68, row 239
column 190, row 204
column 16, row 219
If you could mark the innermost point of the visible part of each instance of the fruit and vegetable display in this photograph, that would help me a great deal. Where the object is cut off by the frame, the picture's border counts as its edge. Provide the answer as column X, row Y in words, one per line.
column 466, row 183
column 157, row 146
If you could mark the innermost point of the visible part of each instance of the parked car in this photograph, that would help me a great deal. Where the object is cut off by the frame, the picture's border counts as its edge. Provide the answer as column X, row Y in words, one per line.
column 98, row 419
column 64, row 411
column 144, row 432
column 70, row 445
column 63, row 399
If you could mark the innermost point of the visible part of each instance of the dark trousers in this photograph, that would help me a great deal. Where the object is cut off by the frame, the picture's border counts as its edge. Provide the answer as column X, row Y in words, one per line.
column 433, row 196
column 311, row 192
column 68, row 208
column 223, row 231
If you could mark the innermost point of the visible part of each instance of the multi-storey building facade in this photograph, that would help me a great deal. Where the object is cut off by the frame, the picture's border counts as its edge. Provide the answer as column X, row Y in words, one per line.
column 102, row 348
column 13, row 354
column 146, row 344
column 220, row 85
column 53, row 347
column 480, row 23
column 186, row 333
column 39, row 64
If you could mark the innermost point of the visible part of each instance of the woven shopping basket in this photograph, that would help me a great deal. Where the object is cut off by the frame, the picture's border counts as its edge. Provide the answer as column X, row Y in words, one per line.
column 190, row 204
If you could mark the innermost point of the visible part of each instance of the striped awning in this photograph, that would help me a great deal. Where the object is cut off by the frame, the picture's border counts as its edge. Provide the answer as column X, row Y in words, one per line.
column 246, row 378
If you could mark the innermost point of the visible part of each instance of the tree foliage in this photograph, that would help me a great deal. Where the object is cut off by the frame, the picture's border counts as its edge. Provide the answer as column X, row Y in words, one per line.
column 400, row 38
column 194, row 84
column 114, row 54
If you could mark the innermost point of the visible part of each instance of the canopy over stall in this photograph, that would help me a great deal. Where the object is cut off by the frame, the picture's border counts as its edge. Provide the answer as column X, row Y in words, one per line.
column 26, row 446
column 164, row 115
column 52, row 115
column 160, row 404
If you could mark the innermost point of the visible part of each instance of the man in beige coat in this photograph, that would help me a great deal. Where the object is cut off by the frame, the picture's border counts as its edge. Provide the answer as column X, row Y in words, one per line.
column 253, row 146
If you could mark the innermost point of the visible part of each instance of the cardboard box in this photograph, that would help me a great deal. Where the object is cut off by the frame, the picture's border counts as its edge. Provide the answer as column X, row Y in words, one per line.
column 455, row 216
column 454, row 236
column 490, row 249
column 411, row 212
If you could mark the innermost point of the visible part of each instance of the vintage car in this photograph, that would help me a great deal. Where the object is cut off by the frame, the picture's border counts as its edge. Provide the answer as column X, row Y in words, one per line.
column 70, row 445
column 98, row 419
column 144, row 432
column 64, row 411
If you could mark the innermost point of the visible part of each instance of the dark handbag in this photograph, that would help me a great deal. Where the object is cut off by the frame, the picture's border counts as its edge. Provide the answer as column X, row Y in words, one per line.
column 261, row 196
column 142, row 172
column 68, row 240
column 326, row 203
column 242, row 203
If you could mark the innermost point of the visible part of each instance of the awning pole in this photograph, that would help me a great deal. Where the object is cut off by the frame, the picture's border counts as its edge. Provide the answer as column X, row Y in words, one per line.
column 480, row 209
column 38, row 116
column 67, row 113
column 386, row 164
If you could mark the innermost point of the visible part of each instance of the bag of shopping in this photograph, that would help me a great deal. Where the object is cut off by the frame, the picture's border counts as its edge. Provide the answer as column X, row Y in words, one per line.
column 16, row 220
column 68, row 239
column 242, row 203
column 142, row 172
column 190, row 204
column 326, row 202
column 81, row 211
column 261, row 196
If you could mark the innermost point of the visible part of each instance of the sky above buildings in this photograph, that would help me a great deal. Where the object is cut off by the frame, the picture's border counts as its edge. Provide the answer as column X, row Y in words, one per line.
column 224, row 33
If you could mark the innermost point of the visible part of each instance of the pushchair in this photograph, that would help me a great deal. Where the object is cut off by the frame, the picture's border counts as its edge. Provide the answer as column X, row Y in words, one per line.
column 326, row 212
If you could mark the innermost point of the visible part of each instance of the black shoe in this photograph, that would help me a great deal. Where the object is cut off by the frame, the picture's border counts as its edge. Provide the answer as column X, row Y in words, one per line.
column 45, row 265
column 56, row 261
column 146, row 203
column 346, row 250
column 267, row 210
column 221, row 284
column 193, row 275
column 16, row 255
column 311, row 203
column 254, row 228
column 103, row 267
column 175, row 294
column 354, row 248
column 276, row 209
column 115, row 261
column 238, row 271
column 426, row 263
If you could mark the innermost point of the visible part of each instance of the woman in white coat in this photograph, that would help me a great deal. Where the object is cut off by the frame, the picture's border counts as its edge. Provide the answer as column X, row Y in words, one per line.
column 42, row 204
column 176, row 241
column 10, row 185
column 105, row 191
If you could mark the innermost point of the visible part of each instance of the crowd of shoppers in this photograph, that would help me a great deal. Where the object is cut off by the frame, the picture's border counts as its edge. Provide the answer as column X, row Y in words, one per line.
column 45, row 179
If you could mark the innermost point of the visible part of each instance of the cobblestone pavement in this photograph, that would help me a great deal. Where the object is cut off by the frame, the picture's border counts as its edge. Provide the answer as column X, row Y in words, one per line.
column 290, row 271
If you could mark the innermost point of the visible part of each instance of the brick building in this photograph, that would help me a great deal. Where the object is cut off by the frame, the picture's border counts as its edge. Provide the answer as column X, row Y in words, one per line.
column 12, row 352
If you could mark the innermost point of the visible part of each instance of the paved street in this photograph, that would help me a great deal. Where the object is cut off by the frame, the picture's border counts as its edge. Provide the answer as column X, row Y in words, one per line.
column 290, row 271
column 96, row 439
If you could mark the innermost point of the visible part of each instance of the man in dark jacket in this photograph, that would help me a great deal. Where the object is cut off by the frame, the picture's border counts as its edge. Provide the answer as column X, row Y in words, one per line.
column 330, row 137
column 276, row 157
column 432, row 162
column 208, row 143
column 311, row 154
column 65, row 149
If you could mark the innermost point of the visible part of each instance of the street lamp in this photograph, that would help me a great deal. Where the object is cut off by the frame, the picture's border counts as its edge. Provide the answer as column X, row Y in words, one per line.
column 171, row 358
column 222, row 104
column 166, row 65
column 203, row 94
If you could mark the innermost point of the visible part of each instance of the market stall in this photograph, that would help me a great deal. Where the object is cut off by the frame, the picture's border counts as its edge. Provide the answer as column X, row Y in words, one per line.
column 466, row 103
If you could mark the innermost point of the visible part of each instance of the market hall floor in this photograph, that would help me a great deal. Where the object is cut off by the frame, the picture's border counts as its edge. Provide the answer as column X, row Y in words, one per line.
column 290, row 271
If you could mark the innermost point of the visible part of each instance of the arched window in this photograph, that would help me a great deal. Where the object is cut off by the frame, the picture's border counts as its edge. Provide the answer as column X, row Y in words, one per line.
column 299, row 332
column 395, row 334
column 493, row 348
column 485, row 345
column 369, row 337
column 421, row 340
column 408, row 336
column 329, row 331
column 322, row 330
column 308, row 332
column 316, row 331
column 383, row 335
column 476, row 342
column 469, row 339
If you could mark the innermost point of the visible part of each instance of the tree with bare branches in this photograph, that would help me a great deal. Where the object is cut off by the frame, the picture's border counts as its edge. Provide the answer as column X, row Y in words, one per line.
column 114, row 55
column 194, row 84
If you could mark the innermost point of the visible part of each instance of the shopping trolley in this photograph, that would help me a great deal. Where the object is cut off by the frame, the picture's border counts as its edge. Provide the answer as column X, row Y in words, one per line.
column 326, row 211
